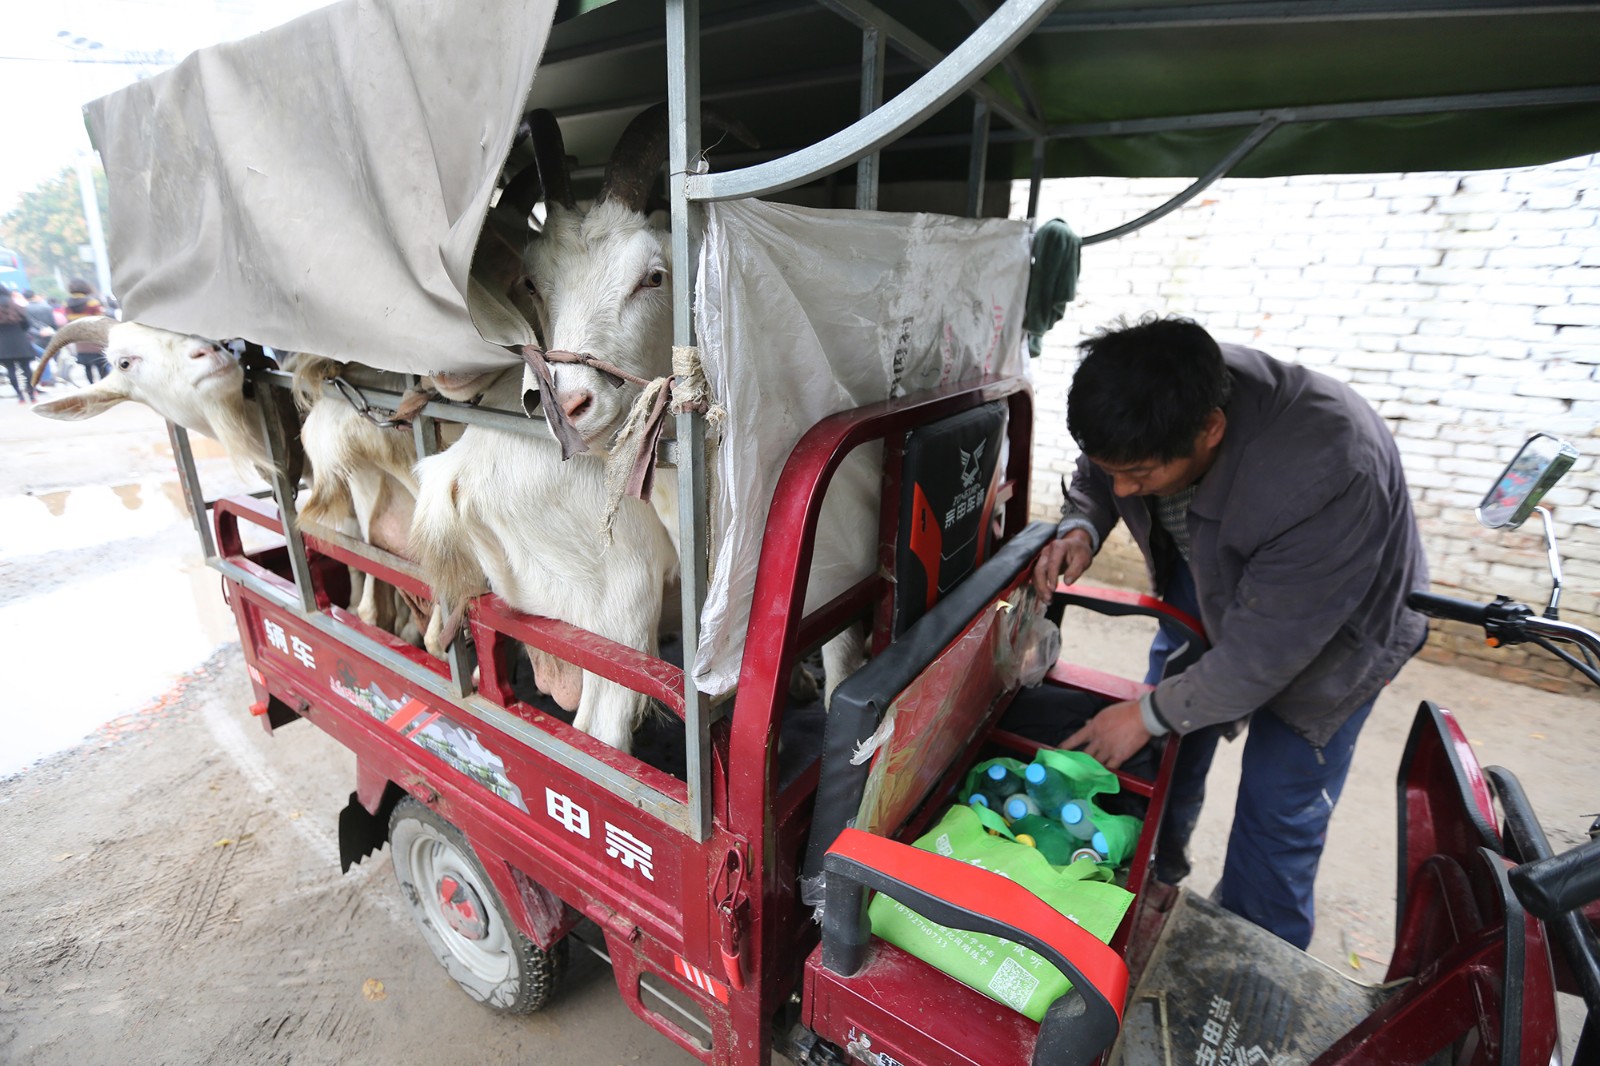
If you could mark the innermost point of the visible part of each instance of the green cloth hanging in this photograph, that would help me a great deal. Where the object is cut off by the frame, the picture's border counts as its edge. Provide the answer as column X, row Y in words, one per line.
column 1053, row 283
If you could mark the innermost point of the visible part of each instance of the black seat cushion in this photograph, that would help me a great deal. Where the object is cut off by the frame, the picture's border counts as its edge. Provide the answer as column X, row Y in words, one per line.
column 945, row 483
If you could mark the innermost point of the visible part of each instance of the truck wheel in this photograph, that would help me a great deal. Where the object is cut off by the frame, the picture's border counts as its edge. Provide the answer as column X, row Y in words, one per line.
column 463, row 919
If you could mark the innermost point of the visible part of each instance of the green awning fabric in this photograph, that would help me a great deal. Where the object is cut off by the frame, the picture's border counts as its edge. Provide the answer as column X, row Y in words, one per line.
column 786, row 70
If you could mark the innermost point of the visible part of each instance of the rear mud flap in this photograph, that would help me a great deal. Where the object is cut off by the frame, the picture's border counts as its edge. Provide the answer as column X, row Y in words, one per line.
column 1220, row 989
column 361, row 833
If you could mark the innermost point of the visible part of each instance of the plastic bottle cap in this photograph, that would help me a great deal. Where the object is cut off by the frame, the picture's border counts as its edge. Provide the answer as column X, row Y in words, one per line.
column 978, row 799
column 1071, row 813
column 1015, row 808
column 1034, row 773
column 996, row 772
column 1086, row 853
column 1024, row 838
column 1098, row 841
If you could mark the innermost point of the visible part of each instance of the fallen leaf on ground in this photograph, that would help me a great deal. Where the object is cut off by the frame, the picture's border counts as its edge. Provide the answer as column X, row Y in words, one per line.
column 373, row 989
column 1537, row 736
column 224, row 842
column 63, row 857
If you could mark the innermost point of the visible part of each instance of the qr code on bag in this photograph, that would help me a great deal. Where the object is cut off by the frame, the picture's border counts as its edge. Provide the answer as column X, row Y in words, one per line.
column 1012, row 984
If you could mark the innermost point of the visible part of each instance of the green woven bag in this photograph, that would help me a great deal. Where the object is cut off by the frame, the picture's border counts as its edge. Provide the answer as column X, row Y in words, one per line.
column 1001, row 970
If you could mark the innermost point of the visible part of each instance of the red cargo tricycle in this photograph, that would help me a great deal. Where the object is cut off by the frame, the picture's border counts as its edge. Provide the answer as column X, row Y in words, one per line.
column 512, row 834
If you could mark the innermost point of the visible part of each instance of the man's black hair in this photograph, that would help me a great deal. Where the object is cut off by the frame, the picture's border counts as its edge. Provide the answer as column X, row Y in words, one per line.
column 1143, row 392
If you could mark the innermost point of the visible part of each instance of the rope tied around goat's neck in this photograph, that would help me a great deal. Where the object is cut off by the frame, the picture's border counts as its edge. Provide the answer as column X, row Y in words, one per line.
column 631, row 464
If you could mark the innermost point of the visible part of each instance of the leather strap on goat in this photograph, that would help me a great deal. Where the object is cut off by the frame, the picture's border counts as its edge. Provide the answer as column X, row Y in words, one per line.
column 561, row 426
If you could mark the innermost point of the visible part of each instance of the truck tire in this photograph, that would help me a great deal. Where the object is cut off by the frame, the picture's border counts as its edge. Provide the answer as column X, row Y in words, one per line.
column 462, row 917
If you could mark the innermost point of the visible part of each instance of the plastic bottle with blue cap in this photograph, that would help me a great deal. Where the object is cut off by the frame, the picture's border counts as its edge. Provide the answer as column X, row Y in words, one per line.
column 1001, row 782
column 1022, row 805
column 1078, row 817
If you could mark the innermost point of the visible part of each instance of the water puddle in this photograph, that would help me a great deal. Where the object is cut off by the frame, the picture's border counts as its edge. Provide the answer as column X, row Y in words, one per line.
column 72, row 519
column 95, row 650
column 108, row 639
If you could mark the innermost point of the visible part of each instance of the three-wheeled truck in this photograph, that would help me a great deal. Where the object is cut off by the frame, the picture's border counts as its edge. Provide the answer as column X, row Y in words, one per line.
column 323, row 188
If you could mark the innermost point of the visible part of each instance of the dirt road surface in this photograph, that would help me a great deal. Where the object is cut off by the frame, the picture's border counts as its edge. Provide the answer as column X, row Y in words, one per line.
column 171, row 883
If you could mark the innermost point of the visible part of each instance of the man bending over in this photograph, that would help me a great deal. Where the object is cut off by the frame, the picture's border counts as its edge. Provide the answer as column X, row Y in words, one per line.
column 1269, row 502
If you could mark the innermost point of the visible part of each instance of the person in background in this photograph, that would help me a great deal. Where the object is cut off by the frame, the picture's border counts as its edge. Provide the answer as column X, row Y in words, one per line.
column 16, row 351
column 1268, row 501
column 41, row 327
column 82, row 303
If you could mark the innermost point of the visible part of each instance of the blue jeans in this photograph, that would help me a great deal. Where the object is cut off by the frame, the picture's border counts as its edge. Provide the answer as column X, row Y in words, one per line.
column 1287, row 791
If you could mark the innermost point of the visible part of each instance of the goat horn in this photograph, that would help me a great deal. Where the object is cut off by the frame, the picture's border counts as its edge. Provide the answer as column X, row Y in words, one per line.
column 96, row 330
column 522, row 192
column 642, row 149
column 550, row 156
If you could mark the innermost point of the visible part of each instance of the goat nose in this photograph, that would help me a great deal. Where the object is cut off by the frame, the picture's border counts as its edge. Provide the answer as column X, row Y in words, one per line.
column 575, row 402
column 203, row 352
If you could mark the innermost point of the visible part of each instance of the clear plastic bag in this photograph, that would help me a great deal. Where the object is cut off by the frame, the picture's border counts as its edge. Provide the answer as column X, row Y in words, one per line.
column 1039, row 645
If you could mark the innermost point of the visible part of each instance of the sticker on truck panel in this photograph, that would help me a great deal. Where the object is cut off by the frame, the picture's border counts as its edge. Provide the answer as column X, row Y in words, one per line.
column 431, row 731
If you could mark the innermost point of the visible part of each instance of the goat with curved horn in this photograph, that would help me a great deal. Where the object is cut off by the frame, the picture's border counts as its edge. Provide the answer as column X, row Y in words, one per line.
column 96, row 330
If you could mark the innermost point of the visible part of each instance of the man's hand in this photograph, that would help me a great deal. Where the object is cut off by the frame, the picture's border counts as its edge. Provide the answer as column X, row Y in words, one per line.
column 1113, row 736
column 1064, row 559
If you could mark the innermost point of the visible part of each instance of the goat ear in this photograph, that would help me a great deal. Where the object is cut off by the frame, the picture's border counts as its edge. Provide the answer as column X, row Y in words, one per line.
column 80, row 405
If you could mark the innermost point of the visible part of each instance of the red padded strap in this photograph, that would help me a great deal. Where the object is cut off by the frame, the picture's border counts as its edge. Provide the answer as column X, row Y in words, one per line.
column 983, row 892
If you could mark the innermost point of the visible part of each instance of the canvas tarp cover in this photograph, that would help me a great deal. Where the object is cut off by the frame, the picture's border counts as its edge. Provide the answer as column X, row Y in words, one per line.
column 321, row 187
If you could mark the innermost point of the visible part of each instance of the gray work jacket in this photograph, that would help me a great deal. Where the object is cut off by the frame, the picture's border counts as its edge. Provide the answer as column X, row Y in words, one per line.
column 1303, row 547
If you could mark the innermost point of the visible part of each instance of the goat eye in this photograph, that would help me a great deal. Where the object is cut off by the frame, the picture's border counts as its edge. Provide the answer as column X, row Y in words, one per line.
column 124, row 363
column 653, row 279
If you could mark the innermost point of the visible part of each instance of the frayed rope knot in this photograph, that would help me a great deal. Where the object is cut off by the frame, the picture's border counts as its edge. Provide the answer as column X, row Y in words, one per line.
column 631, row 466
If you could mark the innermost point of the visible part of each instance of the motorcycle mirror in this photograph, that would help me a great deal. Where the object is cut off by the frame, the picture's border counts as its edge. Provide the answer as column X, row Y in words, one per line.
column 1535, row 469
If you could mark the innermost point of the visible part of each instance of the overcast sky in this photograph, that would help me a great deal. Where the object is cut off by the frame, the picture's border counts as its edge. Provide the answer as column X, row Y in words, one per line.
column 57, row 55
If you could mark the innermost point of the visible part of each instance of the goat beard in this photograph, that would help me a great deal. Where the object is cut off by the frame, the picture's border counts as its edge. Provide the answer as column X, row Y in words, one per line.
column 238, row 429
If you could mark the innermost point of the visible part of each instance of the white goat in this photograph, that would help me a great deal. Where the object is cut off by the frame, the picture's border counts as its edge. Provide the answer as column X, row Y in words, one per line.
column 505, row 507
column 185, row 379
column 361, row 486
column 361, row 475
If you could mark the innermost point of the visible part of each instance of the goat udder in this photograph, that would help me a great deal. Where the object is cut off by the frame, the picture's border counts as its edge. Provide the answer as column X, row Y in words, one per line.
column 557, row 678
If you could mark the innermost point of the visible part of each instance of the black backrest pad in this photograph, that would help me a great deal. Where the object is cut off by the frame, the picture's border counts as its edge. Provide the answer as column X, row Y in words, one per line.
column 859, row 703
column 944, row 489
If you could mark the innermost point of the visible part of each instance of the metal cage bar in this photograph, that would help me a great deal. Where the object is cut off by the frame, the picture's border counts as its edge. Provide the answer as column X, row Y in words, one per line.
column 872, row 70
column 948, row 79
column 694, row 521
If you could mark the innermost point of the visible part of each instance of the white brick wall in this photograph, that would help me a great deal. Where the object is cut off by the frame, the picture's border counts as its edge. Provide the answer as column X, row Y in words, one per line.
column 1465, row 307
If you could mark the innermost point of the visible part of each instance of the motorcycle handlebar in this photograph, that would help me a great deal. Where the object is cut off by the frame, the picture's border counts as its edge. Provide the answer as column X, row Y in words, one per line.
column 1435, row 606
column 1561, row 883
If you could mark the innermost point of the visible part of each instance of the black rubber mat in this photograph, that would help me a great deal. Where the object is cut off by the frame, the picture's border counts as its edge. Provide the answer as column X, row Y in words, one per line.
column 1221, row 991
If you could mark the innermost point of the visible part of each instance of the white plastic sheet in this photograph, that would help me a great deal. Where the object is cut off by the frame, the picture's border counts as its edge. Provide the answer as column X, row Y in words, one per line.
column 804, row 313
